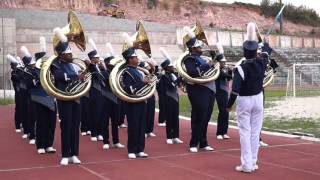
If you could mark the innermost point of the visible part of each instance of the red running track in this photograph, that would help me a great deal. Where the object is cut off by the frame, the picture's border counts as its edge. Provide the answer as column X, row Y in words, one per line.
column 286, row 158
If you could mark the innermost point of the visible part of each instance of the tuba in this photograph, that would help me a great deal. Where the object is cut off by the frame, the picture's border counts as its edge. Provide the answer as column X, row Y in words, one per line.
column 212, row 74
column 140, row 41
column 74, row 32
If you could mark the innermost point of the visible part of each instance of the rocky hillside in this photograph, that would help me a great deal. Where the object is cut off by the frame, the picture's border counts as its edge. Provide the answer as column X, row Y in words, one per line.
column 178, row 12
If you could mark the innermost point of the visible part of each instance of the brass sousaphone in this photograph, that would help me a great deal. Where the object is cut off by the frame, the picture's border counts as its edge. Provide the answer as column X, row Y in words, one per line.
column 140, row 41
column 74, row 32
column 212, row 74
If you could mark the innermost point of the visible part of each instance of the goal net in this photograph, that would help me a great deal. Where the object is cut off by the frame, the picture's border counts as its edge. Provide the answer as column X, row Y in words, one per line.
column 303, row 80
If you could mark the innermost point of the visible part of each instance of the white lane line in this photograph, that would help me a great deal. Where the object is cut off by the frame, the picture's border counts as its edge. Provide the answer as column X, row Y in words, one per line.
column 153, row 157
column 279, row 166
column 94, row 173
column 190, row 169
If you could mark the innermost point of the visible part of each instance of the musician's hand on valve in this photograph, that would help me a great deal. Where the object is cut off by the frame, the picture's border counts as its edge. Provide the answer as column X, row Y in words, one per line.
column 211, row 63
column 87, row 62
column 146, row 79
column 81, row 76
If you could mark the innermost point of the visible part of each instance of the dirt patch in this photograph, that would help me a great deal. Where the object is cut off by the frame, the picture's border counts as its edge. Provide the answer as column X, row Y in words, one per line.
column 301, row 107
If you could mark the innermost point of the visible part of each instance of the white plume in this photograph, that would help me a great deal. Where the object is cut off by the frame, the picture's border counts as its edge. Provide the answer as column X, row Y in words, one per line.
column 110, row 49
column 219, row 47
column 12, row 59
column 42, row 44
column 58, row 32
column 25, row 51
column 165, row 53
column 19, row 59
column 127, row 39
column 189, row 32
column 92, row 44
column 251, row 32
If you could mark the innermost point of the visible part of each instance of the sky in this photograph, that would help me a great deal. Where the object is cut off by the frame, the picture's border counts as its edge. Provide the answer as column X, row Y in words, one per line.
column 314, row 4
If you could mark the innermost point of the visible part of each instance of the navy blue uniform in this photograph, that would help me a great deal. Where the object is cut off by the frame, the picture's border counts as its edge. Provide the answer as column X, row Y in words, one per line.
column 151, row 105
column 202, row 98
column 161, row 101
column 95, row 100
column 69, row 111
column 28, row 121
column 222, row 100
column 44, row 108
column 136, row 112
column 171, row 101
column 85, row 112
column 16, row 78
column 111, row 110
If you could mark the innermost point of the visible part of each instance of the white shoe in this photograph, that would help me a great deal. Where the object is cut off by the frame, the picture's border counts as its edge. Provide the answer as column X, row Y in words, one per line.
column 208, row 148
column 83, row 133
column 169, row 141
column 241, row 169
column 64, row 161
column 100, row 138
column 32, row 141
column 106, row 146
column 177, row 141
column 24, row 136
column 94, row 139
column 41, row 151
column 219, row 137
column 263, row 144
column 132, row 156
column 255, row 167
column 161, row 124
column 50, row 150
column 151, row 134
column 226, row 136
column 18, row 130
column 118, row 145
column 123, row 126
column 193, row 149
column 75, row 160
column 142, row 154
column 88, row 132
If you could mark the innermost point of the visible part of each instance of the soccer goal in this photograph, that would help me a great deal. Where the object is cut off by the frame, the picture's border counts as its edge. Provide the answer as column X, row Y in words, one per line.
column 303, row 80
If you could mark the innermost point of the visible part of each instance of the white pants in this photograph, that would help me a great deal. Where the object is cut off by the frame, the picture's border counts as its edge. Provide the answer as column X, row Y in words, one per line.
column 250, row 117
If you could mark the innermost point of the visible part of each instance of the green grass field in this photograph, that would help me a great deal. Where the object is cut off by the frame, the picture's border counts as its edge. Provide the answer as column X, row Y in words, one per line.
column 6, row 101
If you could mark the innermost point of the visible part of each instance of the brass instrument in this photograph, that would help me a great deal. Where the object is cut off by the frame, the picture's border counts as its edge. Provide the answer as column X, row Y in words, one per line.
column 141, row 41
column 76, row 89
column 212, row 74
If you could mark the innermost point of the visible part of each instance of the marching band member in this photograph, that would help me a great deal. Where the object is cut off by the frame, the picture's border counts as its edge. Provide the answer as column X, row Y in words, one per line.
column 201, row 96
column 160, row 91
column 44, row 108
column 222, row 94
column 26, row 84
column 64, row 72
column 151, row 104
column 95, row 99
column 171, row 99
column 16, row 78
column 111, row 108
column 247, row 88
column 136, row 112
